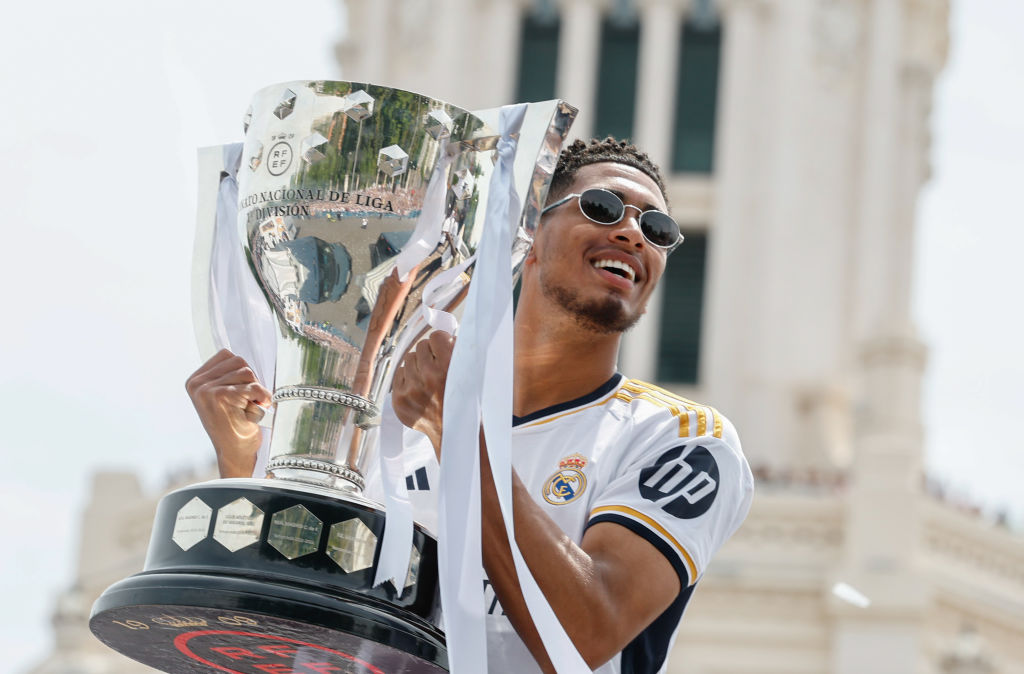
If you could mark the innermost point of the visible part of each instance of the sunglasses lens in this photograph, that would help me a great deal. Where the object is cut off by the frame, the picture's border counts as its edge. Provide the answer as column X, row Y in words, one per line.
column 606, row 208
column 601, row 206
column 659, row 228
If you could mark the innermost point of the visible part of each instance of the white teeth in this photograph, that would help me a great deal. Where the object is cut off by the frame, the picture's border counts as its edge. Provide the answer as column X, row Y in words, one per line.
column 615, row 264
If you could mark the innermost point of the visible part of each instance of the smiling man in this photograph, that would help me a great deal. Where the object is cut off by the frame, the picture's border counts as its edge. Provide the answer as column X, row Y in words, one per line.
column 622, row 490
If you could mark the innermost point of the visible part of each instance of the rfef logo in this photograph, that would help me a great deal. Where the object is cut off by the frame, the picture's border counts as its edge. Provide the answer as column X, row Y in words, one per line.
column 279, row 158
column 239, row 652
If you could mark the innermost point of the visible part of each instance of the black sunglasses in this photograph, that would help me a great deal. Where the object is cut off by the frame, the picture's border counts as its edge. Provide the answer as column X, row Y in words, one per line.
column 606, row 208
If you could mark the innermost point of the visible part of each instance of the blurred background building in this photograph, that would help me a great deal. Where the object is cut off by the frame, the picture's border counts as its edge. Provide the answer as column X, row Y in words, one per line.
column 796, row 138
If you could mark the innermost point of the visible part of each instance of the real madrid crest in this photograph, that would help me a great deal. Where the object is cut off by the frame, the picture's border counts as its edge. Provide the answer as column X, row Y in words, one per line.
column 568, row 482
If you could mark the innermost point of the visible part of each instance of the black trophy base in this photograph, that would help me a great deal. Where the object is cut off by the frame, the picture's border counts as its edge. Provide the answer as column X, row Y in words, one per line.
column 257, row 577
column 194, row 624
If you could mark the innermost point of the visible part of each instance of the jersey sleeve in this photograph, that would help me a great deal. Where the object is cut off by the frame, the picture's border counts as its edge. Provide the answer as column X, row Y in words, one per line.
column 684, row 495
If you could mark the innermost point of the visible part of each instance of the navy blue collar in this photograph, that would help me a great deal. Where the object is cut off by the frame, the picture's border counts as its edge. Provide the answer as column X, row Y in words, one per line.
column 601, row 391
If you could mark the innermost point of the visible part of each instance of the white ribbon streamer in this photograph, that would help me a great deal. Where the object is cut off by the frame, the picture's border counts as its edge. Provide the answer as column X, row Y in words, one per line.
column 396, row 545
column 239, row 315
column 428, row 229
column 485, row 347
column 242, row 320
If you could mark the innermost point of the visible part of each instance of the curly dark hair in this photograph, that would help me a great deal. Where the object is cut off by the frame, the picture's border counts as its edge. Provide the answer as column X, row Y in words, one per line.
column 580, row 154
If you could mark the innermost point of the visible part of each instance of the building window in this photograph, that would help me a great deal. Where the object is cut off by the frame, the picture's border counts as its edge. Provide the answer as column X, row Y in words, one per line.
column 681, row 310
column 538, row 56
column 696, row 98
column 616, row 80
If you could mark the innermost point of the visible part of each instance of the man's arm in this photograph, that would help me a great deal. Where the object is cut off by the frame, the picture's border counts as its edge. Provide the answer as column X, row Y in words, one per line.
column 605, row 590
column 228, row 398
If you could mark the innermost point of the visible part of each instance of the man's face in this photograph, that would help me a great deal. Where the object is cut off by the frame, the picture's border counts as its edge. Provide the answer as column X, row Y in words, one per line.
column 576, row 257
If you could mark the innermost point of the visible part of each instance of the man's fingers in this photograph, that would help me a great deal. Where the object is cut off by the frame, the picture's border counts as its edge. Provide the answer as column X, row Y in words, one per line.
column 215, row 395
column 256, row 393
column 232, row 372
column 441, row 344
column 254, row 412
column 234, row 368
column 225, row 368
column 443, row 337
column 422, row 359
column 242, row 395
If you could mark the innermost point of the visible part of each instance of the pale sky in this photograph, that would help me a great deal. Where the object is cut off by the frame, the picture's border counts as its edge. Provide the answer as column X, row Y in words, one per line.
column 969, row 276
column 104, row 105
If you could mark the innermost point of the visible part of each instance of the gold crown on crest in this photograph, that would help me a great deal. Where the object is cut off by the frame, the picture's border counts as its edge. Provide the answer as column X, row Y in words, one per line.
column 577, row 461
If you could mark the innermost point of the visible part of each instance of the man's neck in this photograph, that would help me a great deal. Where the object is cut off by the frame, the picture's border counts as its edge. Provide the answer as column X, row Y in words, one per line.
column 556, row 361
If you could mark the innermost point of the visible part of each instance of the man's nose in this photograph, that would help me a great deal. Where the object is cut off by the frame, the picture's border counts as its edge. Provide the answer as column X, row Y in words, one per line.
column 628, row 230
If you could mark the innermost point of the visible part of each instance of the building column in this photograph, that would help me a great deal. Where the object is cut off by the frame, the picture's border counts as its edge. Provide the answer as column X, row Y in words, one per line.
column 879, row 141
column 660, row 22
column 883, row 528
column 912, row 171
column 360, row 62
column 578, row 54
column 451, row 64
column 881, row 549
column 496, row 77
column 655, row 106
column 734, row 247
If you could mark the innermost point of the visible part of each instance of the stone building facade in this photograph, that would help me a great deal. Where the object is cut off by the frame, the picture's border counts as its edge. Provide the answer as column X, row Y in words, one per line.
column 796, row 135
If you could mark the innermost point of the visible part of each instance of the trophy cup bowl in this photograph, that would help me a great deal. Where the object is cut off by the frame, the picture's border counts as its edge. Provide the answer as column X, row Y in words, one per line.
column 276, row 575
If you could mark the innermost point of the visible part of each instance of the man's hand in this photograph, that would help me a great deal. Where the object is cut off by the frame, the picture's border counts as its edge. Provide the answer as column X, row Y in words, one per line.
column 228, row 398
column 417, row 393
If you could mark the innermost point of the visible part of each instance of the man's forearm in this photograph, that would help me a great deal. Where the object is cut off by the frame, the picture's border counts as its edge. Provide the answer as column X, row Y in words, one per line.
column 499, row 565
column 587, row 595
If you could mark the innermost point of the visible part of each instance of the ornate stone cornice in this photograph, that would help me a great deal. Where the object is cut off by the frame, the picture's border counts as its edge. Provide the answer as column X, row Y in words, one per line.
column 983, row 550
column 793, row 517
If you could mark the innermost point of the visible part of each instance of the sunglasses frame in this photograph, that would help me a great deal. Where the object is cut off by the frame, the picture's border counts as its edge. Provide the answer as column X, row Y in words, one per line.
column 669, row 248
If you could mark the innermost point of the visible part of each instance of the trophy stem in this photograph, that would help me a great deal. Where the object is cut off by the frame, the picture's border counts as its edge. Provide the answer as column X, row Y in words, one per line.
column 314, row 426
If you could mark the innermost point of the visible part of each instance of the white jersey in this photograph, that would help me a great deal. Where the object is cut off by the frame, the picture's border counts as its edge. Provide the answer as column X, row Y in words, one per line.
column 667, row 469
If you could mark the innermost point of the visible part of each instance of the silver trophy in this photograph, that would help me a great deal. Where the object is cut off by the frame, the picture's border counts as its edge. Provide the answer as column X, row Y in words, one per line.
column 347, row 168
column 357, row 204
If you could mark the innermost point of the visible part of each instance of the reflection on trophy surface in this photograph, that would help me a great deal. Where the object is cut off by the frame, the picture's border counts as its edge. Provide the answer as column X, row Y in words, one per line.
column 332, row 181
column 357, row 159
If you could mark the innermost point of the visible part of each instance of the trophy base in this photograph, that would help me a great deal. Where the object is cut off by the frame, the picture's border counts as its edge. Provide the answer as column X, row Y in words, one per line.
column 191, row 623
column 258, row 576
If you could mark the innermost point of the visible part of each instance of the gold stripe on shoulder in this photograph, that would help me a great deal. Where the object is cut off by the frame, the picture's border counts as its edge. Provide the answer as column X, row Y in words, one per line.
column 650, row 396
column 646, row 391
column 638, row 384
column 691, row 567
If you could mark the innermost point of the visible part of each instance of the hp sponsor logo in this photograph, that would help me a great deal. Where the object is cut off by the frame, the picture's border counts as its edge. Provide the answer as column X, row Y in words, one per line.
column 685, row 487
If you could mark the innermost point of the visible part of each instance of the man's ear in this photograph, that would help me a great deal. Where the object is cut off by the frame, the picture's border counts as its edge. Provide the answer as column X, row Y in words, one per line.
column 531, row 255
